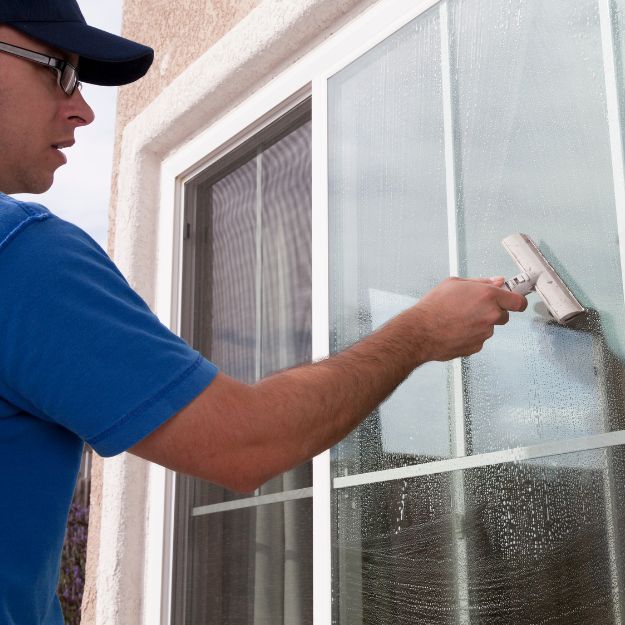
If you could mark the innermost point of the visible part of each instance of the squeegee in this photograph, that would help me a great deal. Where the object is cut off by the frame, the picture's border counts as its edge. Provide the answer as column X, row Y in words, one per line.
column 538, row 275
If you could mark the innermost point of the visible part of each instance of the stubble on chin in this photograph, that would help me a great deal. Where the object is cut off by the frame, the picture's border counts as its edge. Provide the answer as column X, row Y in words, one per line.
column 31, row 182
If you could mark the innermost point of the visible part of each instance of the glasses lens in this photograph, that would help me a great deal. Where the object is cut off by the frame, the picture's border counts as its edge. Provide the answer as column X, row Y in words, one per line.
column 69, row 79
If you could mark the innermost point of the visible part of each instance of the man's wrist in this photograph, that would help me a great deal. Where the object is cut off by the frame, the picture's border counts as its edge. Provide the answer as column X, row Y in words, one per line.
column 417, row 328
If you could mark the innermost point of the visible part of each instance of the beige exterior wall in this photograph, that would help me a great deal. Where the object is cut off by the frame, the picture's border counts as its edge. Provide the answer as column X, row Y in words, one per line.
column 178, row 37
column 89, row 596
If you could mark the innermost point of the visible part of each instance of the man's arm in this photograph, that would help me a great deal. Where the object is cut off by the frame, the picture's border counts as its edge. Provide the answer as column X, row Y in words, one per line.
column 240, row 435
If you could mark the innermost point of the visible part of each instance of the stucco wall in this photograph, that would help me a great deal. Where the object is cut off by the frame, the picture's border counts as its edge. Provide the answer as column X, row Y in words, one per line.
column 178, row 36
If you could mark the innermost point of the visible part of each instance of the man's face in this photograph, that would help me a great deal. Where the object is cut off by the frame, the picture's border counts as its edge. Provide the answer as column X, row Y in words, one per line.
column 35, row 115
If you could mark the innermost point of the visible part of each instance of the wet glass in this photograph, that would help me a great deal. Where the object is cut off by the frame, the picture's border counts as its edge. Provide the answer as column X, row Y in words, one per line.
column 531, row 542
column 533, row 156
column 388, row 229
column 535, row 542
column 531, row 153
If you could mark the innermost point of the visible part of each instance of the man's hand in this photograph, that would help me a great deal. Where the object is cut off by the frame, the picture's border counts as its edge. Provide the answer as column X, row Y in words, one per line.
column 456, row 317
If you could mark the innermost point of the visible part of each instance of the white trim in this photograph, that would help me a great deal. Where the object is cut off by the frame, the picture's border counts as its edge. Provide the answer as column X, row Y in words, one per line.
column 517, row 454
column 614, row 126
column 458, row 429
column 259, row 264
column 168, row 549
column 322, row 484
column 122, row 543
column 160, row 502
column 288, row 88
column 160, row 508
column 155, row 533
column 237, row 126
column 252, row 502
column 380, row 22
column 448, row 132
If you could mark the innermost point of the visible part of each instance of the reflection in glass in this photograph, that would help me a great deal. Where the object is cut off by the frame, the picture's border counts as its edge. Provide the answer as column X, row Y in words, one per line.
column 286, row 170
column 388, row 228
column 537, row 543
column 228, row 268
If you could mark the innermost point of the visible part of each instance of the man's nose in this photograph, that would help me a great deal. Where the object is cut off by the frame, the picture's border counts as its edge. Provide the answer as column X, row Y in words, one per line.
column 77, row 110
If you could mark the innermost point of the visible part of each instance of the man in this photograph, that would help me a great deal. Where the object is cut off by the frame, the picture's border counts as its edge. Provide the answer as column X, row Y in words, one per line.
column 83, row 358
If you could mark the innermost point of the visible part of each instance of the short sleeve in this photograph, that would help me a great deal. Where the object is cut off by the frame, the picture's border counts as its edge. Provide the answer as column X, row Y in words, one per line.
column 80, row 348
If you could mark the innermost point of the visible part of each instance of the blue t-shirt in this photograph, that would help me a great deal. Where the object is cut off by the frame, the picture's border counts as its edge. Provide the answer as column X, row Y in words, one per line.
column 82, row 358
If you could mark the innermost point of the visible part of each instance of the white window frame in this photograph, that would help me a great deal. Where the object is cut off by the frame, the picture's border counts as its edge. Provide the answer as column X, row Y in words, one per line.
column 307, row 78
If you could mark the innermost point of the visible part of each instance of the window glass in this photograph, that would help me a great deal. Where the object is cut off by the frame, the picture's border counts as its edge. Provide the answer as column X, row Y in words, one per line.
column 534, row 156
column 252, row 565
column 286, row 252
column 530, row 151
column 531, row 154
column 388, row 228
column 230, row 205
column 518, row 543
column 244, row 559
column 286, row 293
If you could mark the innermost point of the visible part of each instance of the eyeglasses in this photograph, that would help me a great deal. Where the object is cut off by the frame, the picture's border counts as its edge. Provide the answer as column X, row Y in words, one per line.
column 67, row 74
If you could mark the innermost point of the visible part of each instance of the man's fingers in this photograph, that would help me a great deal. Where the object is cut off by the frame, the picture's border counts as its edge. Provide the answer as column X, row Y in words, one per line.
column 503, row 318
column 506, row 299
column 511, row 301
column 495, row 280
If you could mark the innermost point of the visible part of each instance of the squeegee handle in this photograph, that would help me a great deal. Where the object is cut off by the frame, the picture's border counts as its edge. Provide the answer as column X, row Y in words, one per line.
column 521, row 284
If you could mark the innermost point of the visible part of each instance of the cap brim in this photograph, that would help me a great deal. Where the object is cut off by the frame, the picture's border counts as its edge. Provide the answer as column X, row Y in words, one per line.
column 105, row 59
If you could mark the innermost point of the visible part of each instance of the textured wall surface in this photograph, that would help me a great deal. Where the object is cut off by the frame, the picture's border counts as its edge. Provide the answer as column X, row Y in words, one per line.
column 89, row 596
column 178, row 35
column 179, row 31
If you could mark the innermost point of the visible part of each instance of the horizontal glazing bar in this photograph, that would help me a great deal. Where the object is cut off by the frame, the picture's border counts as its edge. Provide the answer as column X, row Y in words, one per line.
column 518, row 454
column 251, row 502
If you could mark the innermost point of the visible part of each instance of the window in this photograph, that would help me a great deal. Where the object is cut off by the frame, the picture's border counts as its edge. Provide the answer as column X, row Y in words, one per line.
column 486, row 490
column 242, row 560
column 474, row 121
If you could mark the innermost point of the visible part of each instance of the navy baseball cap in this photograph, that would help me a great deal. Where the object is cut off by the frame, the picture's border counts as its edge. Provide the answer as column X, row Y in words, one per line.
column 105, row 59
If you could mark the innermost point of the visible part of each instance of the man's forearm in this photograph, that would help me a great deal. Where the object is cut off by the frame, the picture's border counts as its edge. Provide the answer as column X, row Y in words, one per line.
column 315, row 406
column 240, row 435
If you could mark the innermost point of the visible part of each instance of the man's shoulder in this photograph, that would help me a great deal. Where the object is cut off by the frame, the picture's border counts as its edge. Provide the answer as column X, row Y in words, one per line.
column 10, row 205
column 16, row 215
column 53, row 236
